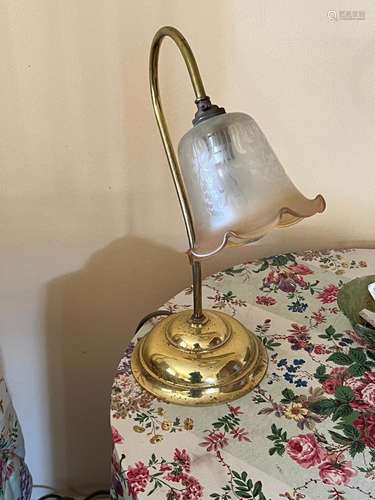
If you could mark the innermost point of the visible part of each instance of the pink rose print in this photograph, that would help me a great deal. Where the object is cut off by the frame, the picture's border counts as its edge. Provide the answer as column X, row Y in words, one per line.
column 305, row 450
column 368, row 392
column 366, row 426
column 330, row 385
column 328, row 294
column 336, row 473
column 137, row 477
column 265, row 301
column 356, row 385
column 336, row 378
column 116, row 436
column 300, row 269
column 364, row 391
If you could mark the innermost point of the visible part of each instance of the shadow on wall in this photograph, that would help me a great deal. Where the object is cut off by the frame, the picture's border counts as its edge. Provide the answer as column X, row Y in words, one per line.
column 91, row 316
column 92, row 313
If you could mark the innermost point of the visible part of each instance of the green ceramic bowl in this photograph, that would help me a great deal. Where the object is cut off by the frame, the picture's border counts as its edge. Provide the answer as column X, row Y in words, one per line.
column 352, row 298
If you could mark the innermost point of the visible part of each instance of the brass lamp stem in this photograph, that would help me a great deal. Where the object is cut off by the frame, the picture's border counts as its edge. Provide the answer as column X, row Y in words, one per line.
column 198, row 315
column 200, row 95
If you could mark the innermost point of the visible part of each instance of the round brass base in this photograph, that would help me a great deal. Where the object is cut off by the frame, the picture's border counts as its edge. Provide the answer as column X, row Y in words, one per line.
column 199, row 364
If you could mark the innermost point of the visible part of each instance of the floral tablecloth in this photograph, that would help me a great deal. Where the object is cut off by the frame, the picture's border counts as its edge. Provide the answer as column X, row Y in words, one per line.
column 307, row 432
column 15, row 479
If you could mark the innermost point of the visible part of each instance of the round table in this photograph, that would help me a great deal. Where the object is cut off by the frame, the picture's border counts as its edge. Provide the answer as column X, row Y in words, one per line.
column 15, row 479
column 306, row 432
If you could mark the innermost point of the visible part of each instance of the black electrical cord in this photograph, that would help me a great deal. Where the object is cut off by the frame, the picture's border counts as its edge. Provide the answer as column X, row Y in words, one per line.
column 92, row 495
column 97, row 494
column 52, row 495
column 154, row 314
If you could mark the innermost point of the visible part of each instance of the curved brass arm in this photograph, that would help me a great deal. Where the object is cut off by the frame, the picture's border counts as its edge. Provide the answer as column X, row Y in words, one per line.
column 200, row 94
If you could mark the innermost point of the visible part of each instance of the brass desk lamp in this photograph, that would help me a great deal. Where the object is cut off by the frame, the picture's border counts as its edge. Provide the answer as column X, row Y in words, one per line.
column 232, row 190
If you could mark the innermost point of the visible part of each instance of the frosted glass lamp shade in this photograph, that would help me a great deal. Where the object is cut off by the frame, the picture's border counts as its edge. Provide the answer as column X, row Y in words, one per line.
column 236, row 187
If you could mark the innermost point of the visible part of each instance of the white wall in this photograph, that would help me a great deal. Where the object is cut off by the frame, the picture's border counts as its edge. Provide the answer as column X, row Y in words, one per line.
column 91, row 234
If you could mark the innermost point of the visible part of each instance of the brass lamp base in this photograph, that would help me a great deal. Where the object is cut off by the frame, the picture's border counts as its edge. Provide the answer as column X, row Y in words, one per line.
column 200, row 364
